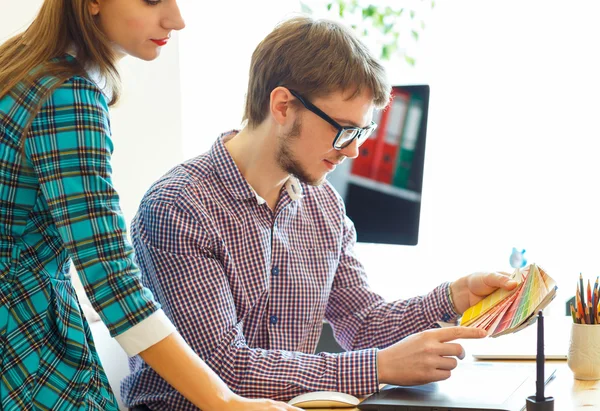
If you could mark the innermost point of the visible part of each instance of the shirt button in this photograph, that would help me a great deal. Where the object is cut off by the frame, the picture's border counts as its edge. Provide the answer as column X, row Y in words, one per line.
column 274, row 319
column 275, row 270
column 445, row 317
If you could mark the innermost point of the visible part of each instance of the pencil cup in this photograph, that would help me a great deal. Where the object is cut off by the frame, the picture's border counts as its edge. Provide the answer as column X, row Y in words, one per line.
column 584, row 351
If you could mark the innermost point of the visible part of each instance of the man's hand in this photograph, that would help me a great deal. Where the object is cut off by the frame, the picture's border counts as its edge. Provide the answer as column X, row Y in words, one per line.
column 468, row 291
column 424, row 357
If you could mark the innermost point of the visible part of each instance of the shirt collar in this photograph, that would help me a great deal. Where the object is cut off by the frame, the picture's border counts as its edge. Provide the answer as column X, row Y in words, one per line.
column 93, row 73
column 292, row 186
column 234, row 181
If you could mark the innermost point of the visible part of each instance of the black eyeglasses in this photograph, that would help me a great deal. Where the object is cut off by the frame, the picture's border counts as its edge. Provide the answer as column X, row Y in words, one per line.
column 345, row 135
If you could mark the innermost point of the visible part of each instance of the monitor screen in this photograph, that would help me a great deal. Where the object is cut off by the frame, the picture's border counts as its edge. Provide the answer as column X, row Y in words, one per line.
column 382, row 186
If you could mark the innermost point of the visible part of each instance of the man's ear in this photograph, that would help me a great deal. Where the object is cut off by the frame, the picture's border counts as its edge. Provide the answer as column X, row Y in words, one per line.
column 94, row 7
column 280, row 104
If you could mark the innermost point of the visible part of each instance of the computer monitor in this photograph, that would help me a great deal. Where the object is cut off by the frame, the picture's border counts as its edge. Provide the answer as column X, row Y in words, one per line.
column 382, row 186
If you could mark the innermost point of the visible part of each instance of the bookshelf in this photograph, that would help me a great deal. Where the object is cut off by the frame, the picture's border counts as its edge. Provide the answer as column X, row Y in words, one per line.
column 382, row 186
column 385, row 188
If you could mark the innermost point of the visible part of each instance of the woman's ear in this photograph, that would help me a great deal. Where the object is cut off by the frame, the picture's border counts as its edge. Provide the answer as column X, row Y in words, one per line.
column 94, row 7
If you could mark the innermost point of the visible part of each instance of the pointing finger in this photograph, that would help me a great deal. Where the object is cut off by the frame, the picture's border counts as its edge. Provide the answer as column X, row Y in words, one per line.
column 454, row 333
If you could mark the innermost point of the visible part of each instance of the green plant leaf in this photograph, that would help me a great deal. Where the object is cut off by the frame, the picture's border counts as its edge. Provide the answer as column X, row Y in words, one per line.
column 369, row 11
column 378, row 21
column 392, row 47
column 381, row 21
column 385, row 52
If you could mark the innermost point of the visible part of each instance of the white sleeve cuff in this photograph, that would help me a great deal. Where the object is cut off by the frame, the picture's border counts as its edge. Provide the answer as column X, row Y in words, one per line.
column 146, row 333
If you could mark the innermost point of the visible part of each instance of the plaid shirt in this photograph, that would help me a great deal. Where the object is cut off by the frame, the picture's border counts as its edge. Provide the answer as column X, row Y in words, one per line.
column 57, row 203
column 248, row 287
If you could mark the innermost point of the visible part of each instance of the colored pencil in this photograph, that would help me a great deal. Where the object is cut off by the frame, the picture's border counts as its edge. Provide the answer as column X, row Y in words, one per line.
column 580, row 311
column 581, row 292
column 595, row 297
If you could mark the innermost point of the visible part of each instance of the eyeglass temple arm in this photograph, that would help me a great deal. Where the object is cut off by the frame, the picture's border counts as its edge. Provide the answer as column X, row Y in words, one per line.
column 318, row 111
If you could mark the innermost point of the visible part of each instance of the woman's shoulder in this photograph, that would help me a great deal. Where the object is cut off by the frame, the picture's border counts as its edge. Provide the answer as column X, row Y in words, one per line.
column 74, row 97
column 76, row 86
column 47, row 91
column 79, row 89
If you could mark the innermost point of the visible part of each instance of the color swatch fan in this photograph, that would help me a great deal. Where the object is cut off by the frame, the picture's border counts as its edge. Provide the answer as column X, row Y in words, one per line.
column 504, row 312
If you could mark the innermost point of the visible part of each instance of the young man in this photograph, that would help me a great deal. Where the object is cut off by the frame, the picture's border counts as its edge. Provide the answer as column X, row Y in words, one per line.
column 248, row 248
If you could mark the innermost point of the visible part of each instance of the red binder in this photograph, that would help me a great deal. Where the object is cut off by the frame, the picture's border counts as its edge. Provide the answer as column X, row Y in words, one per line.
column 362, row 165
column 383, row 165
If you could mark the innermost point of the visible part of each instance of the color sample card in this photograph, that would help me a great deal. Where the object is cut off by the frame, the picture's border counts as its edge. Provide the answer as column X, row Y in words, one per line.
column 504, row 312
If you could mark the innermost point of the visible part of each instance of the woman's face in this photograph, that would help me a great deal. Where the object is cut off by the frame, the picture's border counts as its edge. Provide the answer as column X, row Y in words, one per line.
column 138, row 27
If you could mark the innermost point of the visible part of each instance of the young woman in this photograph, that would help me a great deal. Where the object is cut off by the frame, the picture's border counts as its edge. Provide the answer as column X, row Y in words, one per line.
column 57, row 204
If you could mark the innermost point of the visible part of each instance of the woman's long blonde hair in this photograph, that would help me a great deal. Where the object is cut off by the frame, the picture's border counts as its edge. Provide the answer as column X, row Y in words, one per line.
column 59, row 25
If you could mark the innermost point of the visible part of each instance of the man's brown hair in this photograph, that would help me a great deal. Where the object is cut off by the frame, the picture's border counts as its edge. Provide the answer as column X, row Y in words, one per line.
column 315, row 58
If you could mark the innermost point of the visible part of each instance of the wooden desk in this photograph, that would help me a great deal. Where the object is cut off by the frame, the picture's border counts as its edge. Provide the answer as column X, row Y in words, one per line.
column 569, row 394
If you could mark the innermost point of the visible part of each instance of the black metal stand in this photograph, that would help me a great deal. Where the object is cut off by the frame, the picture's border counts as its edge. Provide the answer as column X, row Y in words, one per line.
column 546, row 405
column 539, row 402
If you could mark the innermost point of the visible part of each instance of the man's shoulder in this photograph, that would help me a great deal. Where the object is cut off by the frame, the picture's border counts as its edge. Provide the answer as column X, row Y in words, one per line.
column 184, row 181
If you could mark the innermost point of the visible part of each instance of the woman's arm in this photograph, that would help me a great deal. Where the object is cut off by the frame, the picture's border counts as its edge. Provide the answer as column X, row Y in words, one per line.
column 179, row 365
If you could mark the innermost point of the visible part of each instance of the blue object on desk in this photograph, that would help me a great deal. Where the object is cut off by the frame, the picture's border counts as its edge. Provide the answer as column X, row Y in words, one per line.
column 517, row 258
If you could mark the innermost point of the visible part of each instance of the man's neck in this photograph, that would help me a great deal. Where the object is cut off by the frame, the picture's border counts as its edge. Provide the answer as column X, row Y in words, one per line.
column 254, row 151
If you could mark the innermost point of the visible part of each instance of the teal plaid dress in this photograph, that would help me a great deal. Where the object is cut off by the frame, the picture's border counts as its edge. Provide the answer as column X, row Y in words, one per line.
column 57, row 205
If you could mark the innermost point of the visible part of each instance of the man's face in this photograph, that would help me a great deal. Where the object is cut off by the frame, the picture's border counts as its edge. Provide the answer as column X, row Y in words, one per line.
column 306, row 149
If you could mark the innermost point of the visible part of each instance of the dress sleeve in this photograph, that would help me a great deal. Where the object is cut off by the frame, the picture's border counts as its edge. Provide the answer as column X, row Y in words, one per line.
column 69, row 146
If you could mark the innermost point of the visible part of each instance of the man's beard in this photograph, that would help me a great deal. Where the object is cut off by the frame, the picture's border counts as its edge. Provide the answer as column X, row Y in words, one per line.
column 287, row 161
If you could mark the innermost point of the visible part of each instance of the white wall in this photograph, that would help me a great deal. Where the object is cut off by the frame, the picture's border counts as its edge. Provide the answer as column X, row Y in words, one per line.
column 146, row 124
column 216, row 47
column 511, row 158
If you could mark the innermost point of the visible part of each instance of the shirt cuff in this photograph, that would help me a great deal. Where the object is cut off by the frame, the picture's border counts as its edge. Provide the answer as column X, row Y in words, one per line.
column 146, row 333
column 357, row 372
column 439, row 308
